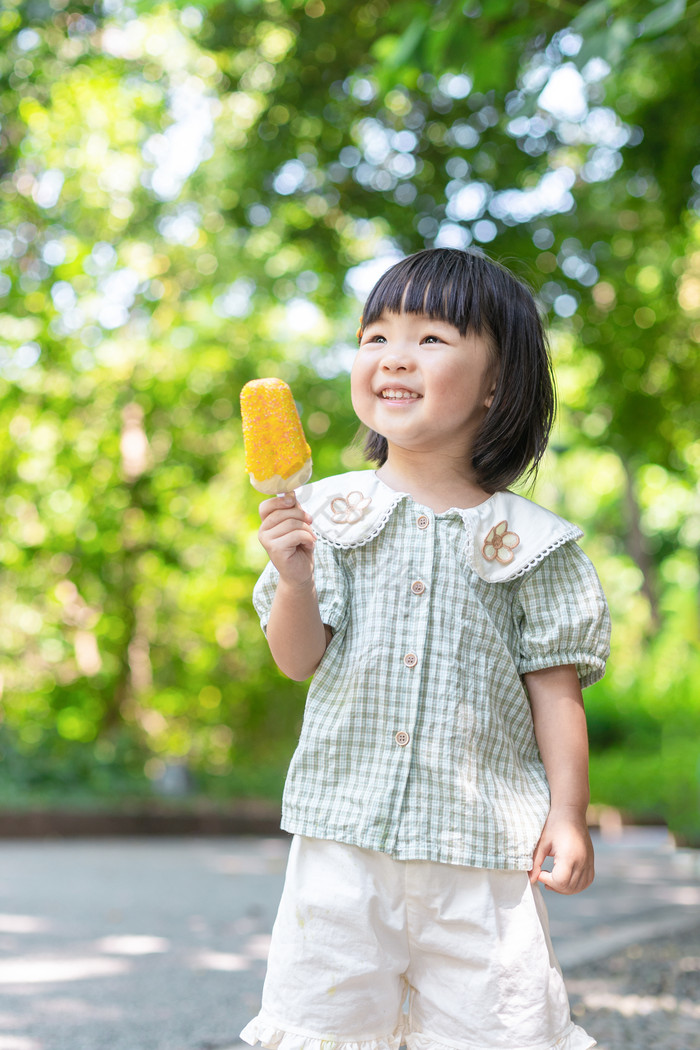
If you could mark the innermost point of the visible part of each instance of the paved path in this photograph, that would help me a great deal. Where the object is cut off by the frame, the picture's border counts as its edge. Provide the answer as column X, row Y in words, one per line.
column 137, row 944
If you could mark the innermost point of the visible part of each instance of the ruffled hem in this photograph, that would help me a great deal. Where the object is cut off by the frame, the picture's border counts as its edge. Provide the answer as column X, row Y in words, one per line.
column 574, row 1038
column 589, row 667
column 265, row 1032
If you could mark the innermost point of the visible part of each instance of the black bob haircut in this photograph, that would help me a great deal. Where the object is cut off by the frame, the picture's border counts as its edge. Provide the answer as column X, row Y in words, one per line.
column 476, row 294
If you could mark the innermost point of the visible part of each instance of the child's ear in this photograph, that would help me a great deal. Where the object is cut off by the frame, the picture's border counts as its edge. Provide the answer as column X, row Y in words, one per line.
column 489, row 400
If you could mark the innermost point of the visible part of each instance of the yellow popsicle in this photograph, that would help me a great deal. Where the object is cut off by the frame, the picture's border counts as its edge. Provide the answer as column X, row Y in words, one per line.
column 277, row 457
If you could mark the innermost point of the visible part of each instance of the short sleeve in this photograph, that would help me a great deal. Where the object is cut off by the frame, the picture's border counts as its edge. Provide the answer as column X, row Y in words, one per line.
column 563, row 616
column 331, row 587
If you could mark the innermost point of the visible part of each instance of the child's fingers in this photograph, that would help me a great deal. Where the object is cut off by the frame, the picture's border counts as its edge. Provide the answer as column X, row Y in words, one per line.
column 539, row 856
column 279, row 522
column 295, row 517
column 300, row 538
column 556, row 880
column 281, row 507
column 546, row 879
column 285, row 499
column 567, row 877
column 286, row 539
column 284, row 502
column 282, row 530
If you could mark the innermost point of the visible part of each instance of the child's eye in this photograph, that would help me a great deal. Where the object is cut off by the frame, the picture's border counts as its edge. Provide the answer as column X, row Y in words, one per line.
column 432, row 339
column 375, row 338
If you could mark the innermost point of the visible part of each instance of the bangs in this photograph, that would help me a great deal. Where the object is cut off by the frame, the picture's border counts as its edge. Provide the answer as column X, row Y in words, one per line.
column 438, row 283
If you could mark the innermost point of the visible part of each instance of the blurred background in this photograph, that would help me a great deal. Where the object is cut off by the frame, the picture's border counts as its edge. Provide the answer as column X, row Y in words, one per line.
column 196, row 194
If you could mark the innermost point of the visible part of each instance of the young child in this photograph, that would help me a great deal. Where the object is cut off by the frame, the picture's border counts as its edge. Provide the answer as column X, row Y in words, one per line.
column 449, row 625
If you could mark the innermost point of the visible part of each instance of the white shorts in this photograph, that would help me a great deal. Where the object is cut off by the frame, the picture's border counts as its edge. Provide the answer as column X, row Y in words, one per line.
column 359, row 933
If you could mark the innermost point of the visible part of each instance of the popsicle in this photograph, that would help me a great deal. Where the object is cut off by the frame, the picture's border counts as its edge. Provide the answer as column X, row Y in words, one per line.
column 277, row 457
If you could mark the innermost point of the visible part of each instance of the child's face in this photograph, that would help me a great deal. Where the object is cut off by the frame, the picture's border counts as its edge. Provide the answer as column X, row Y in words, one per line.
column 421, row 384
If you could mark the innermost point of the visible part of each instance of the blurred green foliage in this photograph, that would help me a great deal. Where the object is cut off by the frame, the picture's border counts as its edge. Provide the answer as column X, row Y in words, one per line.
column 195, row 194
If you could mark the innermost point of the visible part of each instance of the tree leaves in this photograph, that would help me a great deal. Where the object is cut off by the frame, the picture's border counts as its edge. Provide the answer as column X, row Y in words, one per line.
column 665, row 17
column 195, row 196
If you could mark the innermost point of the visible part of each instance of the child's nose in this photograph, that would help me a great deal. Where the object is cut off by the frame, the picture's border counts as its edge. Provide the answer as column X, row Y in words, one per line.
column 393, row 364
column 396, row 360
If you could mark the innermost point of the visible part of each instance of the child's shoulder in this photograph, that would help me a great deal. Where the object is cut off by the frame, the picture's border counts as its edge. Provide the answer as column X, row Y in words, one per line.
column 509, row 534
column 512, row 535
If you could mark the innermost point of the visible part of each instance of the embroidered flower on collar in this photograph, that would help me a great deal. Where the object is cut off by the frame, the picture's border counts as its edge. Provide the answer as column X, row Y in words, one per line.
column 499, row 544
column 349, row 509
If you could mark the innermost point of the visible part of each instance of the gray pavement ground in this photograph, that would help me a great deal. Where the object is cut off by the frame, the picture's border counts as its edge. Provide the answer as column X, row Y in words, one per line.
column 160, row 944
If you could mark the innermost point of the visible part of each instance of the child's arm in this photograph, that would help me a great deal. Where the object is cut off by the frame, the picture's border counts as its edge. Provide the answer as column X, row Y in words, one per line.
column 560, row 728
column 295, row 632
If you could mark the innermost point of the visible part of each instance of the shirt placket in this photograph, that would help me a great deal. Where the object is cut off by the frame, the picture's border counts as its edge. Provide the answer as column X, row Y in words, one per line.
column 411, row 653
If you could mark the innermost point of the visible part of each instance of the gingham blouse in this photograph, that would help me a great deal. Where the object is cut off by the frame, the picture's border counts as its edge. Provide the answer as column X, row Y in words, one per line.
column 417, row 738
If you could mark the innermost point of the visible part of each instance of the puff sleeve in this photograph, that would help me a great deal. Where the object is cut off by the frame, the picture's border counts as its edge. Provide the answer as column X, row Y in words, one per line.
column 562, row 616
column 331, row 587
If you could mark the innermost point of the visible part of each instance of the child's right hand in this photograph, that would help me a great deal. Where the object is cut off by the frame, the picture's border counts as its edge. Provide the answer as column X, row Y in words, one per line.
column 286, row 535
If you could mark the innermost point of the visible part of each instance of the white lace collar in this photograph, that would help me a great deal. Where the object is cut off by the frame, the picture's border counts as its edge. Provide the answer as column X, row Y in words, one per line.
column 509, row 534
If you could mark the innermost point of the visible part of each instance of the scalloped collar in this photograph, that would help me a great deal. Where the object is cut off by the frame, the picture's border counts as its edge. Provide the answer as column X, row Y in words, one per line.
column 509, row 534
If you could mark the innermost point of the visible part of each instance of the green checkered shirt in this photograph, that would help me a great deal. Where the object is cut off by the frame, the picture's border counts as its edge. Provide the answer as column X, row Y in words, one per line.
column 417, row 738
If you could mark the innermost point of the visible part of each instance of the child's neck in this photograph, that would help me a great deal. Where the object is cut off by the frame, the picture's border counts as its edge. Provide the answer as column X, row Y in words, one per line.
column 438, row 482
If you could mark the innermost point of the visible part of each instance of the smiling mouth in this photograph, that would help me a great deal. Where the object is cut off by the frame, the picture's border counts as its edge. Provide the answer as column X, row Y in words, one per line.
column 399, row 395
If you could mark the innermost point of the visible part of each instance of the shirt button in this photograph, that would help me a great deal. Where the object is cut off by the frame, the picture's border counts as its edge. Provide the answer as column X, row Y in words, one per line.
column 402, row 738
column 410, row 659
column 417, row 586
column 423, row 521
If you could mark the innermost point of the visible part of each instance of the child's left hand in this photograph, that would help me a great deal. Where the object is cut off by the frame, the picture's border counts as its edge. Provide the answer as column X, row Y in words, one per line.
column 564, row 837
